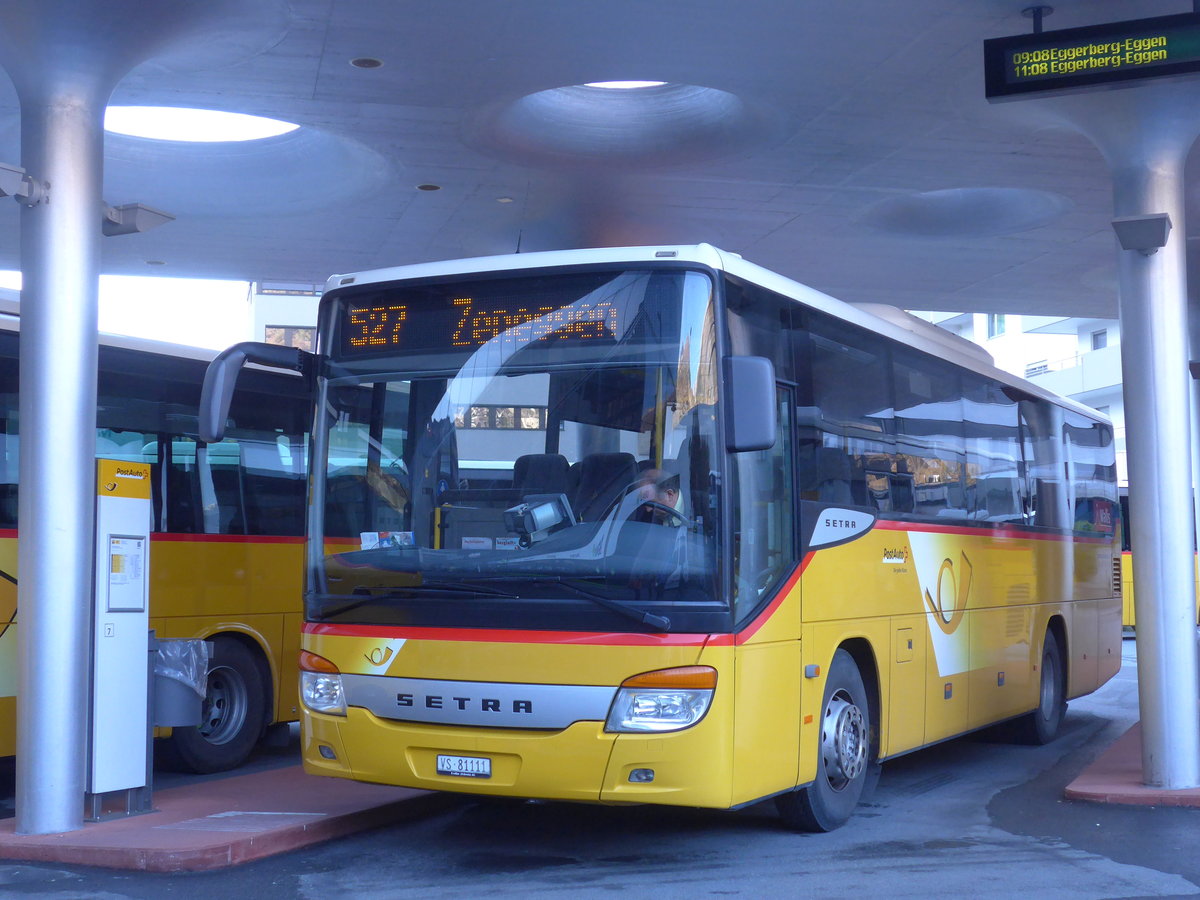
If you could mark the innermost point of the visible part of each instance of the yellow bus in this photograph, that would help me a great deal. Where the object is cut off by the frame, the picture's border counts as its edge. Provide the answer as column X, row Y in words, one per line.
column 656, row 525
column 227, row 540
column 1123, row 574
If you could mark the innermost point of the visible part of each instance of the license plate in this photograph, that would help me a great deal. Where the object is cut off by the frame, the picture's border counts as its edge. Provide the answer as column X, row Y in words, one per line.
column 464, row 766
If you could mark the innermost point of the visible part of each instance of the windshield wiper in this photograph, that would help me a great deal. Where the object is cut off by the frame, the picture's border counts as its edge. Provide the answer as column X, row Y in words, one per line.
column 657, row 622
column 357, row 600
column 354, row 601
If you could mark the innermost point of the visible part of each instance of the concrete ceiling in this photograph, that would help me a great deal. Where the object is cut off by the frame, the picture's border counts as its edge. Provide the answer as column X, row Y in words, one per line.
column 847, row 145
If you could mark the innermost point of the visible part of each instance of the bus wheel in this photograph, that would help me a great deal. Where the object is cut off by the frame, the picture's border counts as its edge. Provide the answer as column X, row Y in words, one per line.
column 844, row 755
column 232, row 714
column 1041, row 726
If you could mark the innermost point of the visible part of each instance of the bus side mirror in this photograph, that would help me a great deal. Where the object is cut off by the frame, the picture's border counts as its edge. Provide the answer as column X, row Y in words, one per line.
column 750, row 413
column 221, row 377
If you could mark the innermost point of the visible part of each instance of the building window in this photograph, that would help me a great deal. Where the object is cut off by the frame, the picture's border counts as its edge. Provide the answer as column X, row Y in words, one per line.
column 291, row 336
column 528, row 418
column 1100, row 339
column 995, row 324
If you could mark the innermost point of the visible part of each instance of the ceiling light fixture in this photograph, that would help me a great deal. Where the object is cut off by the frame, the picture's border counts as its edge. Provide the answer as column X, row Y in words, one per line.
column 429, row 187
column 174, row 123
column 366, row 62
column 623, row 85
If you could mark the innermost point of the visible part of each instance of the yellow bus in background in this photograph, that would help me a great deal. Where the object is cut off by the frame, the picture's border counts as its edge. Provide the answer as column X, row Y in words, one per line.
column 657, row 525
column 227, row 540
column 1124, row 576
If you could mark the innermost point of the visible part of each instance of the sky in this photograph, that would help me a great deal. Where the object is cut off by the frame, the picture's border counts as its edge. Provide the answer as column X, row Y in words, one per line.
column 198, row 312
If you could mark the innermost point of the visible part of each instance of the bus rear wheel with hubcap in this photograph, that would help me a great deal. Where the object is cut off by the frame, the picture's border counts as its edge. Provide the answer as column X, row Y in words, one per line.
column 844, row 754
column 233, row 713
column 1041, row 726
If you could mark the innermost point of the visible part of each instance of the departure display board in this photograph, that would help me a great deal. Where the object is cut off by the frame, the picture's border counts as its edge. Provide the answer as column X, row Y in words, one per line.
column 1091, row 57
column 464, row 321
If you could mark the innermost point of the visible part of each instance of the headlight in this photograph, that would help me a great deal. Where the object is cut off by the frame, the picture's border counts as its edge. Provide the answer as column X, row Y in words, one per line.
column 666, row 700
column 321, row 685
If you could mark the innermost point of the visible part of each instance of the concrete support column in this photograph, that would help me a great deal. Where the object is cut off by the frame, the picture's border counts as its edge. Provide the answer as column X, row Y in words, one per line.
column 1145, row 133
column 1154, row 359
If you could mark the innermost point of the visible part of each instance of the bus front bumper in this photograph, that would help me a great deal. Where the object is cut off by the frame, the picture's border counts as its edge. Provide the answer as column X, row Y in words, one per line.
column 580, row 763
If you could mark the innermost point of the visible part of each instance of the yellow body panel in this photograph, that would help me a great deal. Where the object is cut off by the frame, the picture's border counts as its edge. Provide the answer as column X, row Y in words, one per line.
column 580, row 762
column 947, row 625
column 199, row 587
column 1128, row 616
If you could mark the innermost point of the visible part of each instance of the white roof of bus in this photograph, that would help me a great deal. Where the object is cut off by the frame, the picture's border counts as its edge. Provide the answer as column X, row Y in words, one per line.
column 10, row 320
column 714, row 258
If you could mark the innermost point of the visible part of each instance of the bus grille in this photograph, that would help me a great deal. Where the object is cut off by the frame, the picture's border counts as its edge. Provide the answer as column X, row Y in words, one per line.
column 1116, row 576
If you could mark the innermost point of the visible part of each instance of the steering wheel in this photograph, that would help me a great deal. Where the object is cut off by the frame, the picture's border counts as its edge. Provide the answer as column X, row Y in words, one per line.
column 671, row 512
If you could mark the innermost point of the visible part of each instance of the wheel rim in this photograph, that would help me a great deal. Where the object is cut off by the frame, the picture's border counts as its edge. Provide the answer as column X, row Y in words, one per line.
column 224, row 709
column 843, row 741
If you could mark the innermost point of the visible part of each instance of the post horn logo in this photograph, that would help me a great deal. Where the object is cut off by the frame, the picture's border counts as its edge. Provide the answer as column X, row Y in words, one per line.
column 379, row 656
column 952, row 593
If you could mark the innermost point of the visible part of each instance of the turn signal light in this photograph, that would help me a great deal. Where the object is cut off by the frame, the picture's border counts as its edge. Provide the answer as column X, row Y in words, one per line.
column 682, row 678
column 310, row 662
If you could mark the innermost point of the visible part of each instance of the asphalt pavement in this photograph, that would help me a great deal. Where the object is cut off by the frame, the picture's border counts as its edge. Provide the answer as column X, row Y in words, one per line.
column 975, row 817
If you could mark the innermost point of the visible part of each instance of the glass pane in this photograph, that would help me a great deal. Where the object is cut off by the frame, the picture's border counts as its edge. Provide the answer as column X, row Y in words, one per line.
column 764, row 530
column 578, row 491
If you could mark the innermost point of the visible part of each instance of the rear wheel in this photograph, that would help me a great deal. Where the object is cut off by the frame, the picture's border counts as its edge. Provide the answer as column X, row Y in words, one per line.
column 233, row 713
column 1041, row 726
column 844, row 759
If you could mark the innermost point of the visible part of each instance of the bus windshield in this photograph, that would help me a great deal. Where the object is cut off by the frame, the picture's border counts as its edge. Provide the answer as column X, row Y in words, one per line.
column 531, row 452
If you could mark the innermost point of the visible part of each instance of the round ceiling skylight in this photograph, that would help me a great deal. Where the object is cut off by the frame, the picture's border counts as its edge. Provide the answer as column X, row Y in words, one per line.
column 619, row 124
column 624, row 85
column 973, row 212
column 173, row 123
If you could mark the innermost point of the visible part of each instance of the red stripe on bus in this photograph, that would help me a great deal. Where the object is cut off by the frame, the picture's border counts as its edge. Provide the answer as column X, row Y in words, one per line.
column 610, row 639
column 761, row 619
column 494, row 636
column 1024, row 534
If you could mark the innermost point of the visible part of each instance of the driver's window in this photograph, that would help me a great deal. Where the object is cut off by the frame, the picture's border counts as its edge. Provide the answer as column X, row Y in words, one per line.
column 764, row 530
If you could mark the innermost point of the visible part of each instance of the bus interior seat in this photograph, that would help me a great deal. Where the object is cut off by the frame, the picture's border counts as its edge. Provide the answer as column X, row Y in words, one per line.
column 1000, row 501
column 833, row 476
column 542, row 473
column 602, row 478
column 695, row 480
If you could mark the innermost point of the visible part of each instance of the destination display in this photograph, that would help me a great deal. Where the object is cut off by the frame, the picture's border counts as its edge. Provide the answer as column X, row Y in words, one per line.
column 1091, row 57
column 468, row 322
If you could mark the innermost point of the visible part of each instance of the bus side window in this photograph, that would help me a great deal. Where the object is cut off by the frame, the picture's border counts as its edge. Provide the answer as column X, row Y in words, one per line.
column 204, row 487
column 848, row 426
column 273, row 484
column 9, row 456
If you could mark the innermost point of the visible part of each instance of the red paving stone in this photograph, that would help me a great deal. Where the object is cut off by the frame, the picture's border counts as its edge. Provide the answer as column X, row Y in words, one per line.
column 1116, row 777
column 217, row 823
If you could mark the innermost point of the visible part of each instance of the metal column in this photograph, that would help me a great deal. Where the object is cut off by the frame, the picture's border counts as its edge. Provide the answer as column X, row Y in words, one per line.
column 61, row 143
column 64, row 57
column 1145, row 133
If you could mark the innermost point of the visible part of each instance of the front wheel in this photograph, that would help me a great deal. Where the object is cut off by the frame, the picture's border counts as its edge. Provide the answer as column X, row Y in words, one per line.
column 233, row 713
column 844, row 759
column 1041, row 726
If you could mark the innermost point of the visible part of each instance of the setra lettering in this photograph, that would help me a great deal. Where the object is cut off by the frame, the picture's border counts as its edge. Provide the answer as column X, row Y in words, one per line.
column 840, row 523
column 484, row 704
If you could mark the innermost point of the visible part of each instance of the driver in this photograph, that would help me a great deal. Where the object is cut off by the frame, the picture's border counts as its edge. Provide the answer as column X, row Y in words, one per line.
column 660, row 491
